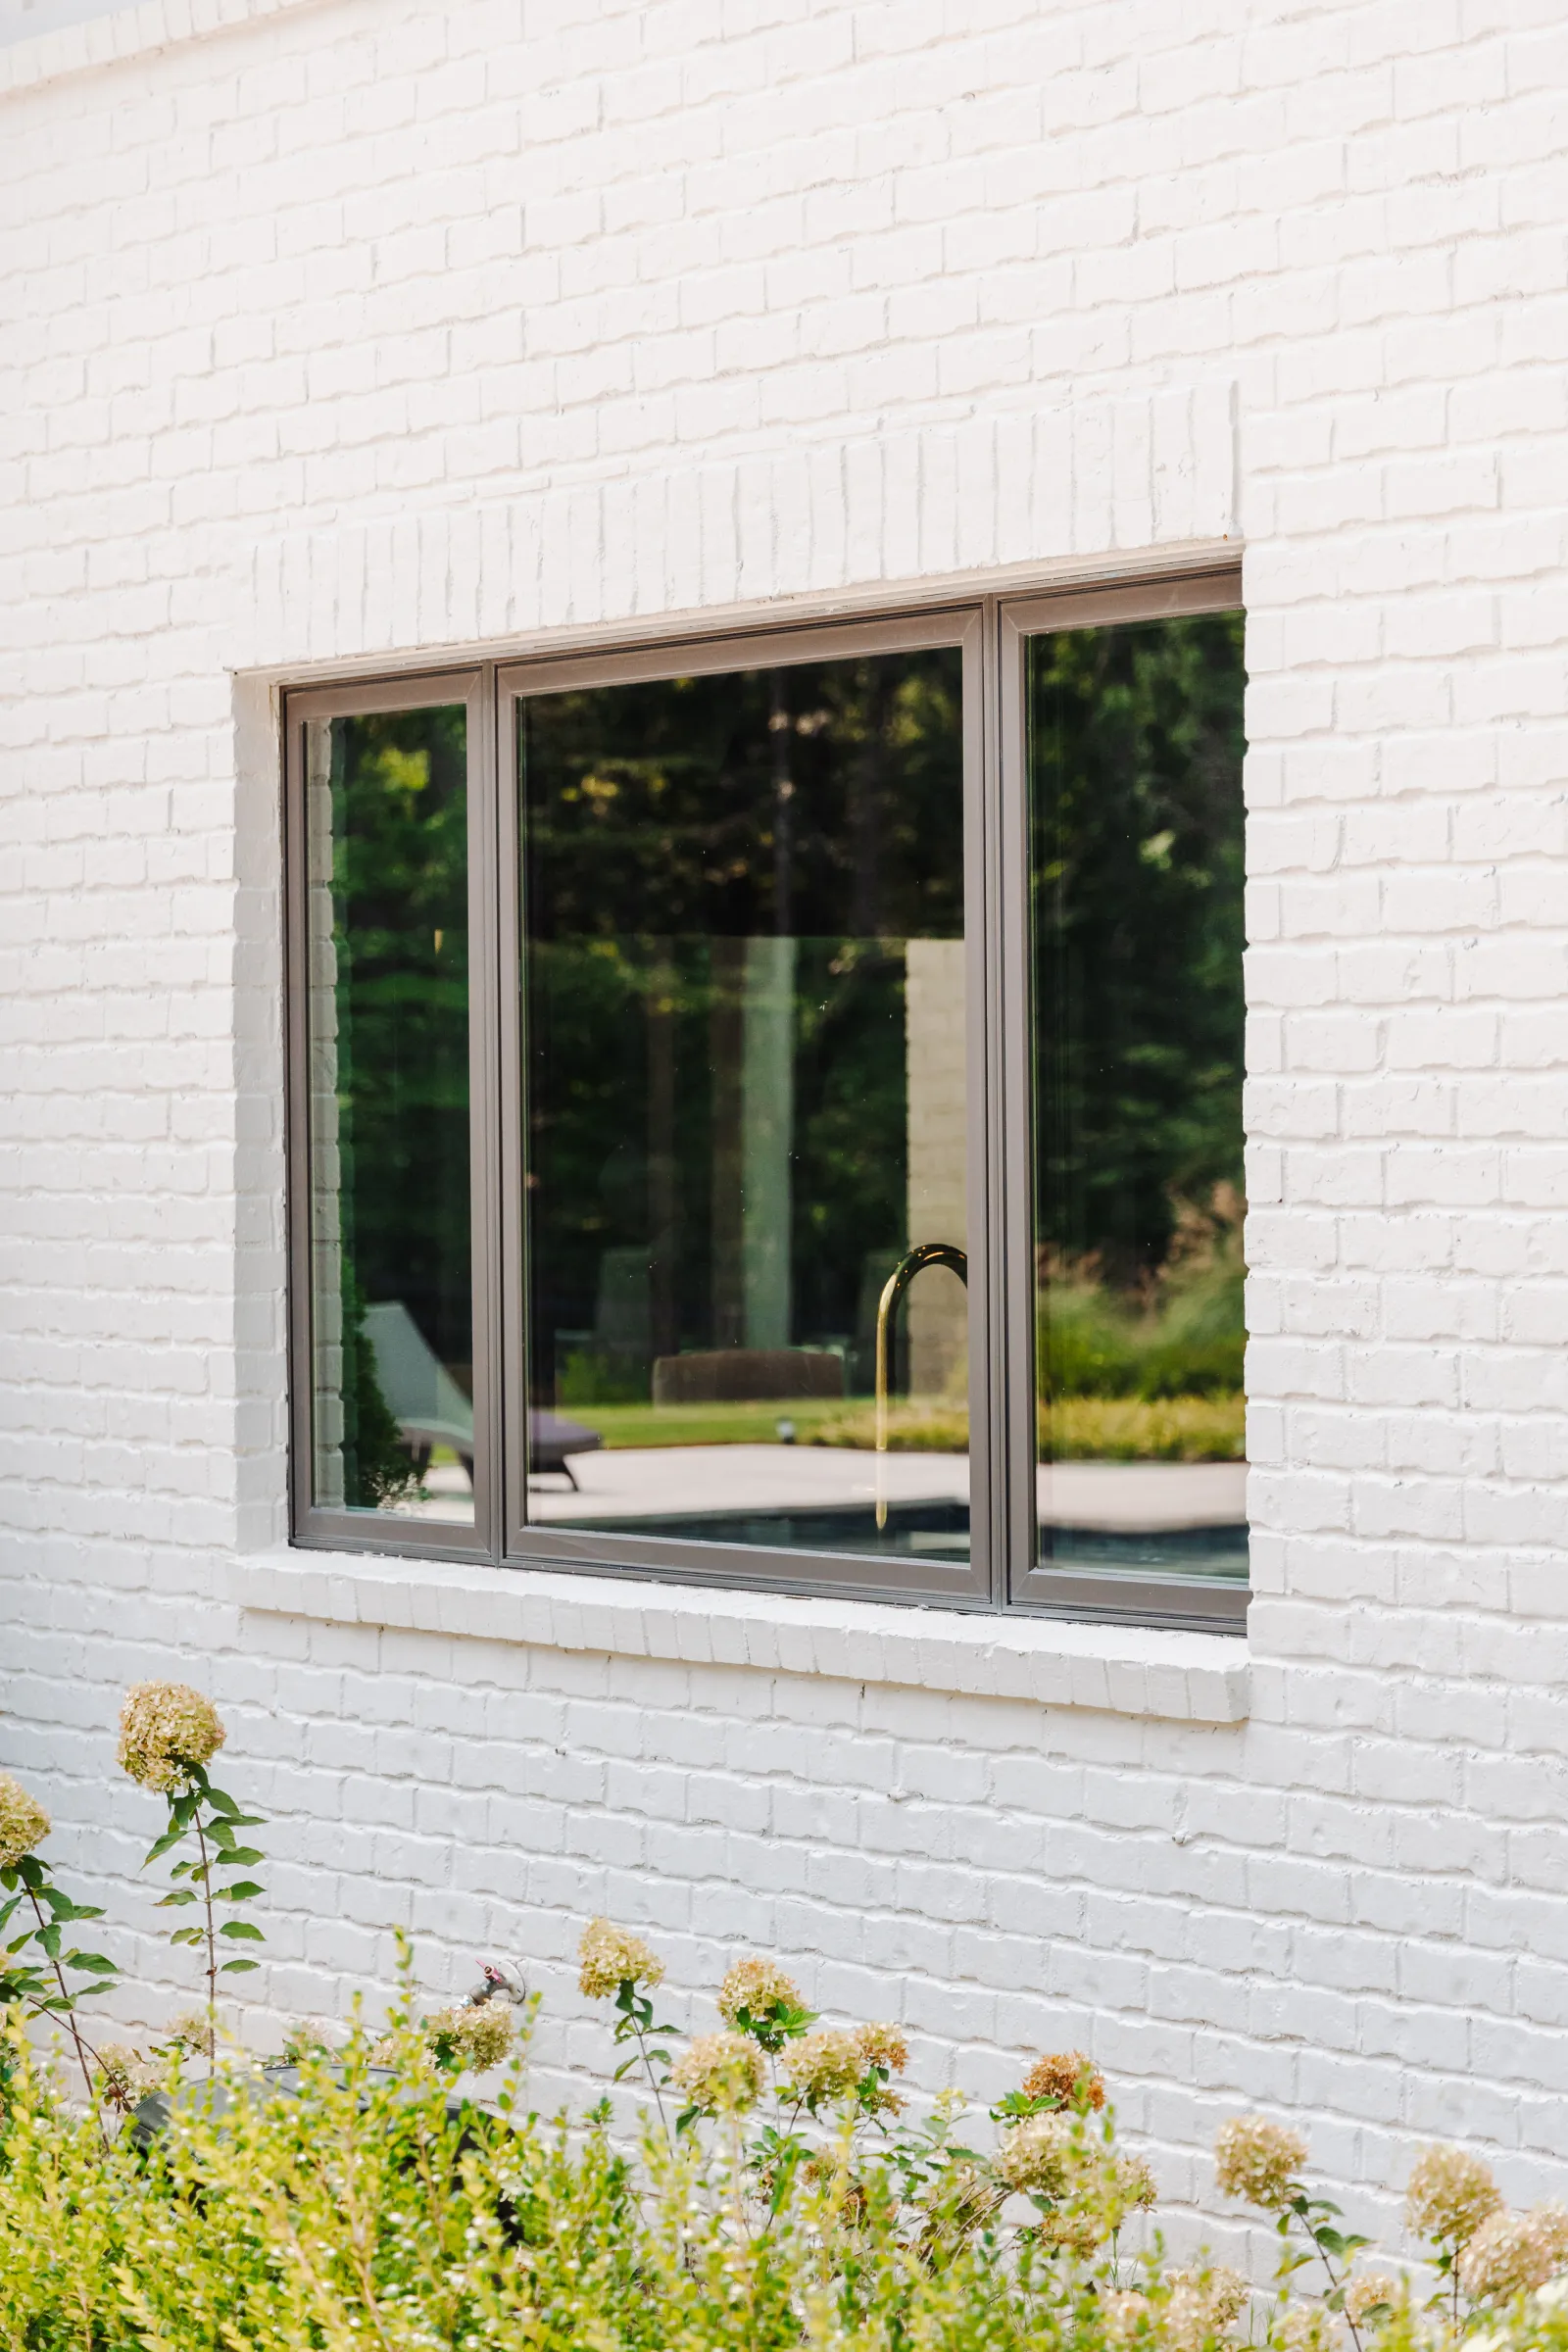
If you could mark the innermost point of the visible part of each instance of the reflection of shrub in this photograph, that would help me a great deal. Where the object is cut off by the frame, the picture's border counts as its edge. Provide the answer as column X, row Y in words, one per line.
column 1136, row 1429
column 1185, row 1336
column 377, row 1467
column 1075, row 1429
column 589, row 1379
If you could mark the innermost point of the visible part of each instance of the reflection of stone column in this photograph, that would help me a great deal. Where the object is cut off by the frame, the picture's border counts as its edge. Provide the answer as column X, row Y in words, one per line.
column 767, row 1132
column 935, row 1306
column 325, row 1160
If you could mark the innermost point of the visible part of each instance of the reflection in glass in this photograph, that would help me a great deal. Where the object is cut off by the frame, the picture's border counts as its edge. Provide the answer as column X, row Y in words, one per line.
column 746, row 1082
column 387, row 1014
column 1135, row 766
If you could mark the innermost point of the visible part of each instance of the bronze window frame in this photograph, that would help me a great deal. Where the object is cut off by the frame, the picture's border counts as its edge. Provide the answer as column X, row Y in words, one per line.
column 1004, row 1573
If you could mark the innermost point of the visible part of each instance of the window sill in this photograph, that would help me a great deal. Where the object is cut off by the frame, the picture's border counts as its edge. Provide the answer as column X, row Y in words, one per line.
column 1123, row 1670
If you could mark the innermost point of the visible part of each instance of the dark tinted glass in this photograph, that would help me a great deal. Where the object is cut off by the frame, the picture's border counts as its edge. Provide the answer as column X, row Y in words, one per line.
column 387, row 1014
column 746, row 1084
column 1135, row 767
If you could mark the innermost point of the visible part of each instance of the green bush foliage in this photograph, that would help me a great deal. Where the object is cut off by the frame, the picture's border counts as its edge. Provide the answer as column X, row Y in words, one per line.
column 1183, row 1333
column 776, row 2192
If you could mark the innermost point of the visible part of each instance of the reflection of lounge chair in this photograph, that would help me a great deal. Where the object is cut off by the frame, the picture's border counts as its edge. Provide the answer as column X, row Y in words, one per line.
column 430, row 1409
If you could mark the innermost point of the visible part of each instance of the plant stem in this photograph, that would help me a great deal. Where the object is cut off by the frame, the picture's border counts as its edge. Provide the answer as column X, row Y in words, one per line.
column 1334, row 2279
column 648, row 2069
column 83, row 2048
column 212, row 1943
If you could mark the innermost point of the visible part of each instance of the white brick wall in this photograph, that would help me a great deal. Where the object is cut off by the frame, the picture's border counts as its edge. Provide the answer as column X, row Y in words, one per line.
column 339, row 330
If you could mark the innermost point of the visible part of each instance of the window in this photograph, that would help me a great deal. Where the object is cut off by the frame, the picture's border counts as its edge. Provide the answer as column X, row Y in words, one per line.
column 770, row 1109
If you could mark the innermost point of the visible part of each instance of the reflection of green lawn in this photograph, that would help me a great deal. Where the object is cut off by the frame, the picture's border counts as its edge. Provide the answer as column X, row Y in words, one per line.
column 627, row 1425
column 1126, row 1429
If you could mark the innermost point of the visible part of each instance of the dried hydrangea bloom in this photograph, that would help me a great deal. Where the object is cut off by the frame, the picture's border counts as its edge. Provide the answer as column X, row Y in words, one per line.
column 825, row 2065
column 1366, row 2291
column 1513, row 2253
column 1450, row 2193
column 1067, row 2076
column 1259, row 2160
column 482, row 2035
column 758, row 1986
column 1202, row 2307
column 166, row 1731
column 721, row 2073
column 192, row 2031
column 23, row 1823
column 882, row 2045
column 610, row 1957
column 1037, row 2154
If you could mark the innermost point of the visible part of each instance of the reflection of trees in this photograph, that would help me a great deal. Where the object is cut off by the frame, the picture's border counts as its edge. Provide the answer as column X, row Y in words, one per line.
column 400, row 898
column 1136, row 745
column 665, row 823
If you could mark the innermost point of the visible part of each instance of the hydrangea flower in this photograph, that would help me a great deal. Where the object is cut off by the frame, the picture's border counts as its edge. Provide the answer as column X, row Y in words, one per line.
column 1202, row 2305
column 1513, row 2253
column 1067, row 2076
column 719, row 2073
column 1366, row 2291
column 127, row 2075
column 1449, row 2194
column 479, row 2034
column 23, row 1823
column 1259, row 2161
column 825, row 2065
column 166, row 1731
column 1037, row 2154
column 608, row 1957
column 1305, row 2328
column 758, row 1986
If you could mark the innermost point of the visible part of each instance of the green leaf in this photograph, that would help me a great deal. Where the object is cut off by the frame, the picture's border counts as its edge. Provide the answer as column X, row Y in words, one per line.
column 93, row 1962
column 242, row 1857
column 169, row 1839
column 49, row 1938
column 229, row 1968
column 188, row 1935
column 175, row 1902
column 239, row 1893
column 242, row 1928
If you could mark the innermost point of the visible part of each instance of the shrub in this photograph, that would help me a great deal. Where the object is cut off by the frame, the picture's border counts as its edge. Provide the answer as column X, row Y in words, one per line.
column 791, row 2206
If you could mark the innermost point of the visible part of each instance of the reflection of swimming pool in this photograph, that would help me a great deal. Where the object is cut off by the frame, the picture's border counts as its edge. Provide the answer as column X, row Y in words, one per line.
column 1220, row 1550
column 1105, row 1518
column 941, row 1530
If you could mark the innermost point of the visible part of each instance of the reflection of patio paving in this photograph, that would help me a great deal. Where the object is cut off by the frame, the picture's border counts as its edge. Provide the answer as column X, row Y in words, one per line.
column 667, row 1479
column 671, row 1481
column 677, row 1481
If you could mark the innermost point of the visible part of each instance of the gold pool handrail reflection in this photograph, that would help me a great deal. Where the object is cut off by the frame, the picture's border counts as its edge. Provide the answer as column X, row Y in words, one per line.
column 914, row 1262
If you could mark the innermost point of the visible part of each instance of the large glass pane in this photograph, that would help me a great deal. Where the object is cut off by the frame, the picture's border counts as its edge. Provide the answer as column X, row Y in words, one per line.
column 746, row 1085
column 1135, row 766
column 387, row 1014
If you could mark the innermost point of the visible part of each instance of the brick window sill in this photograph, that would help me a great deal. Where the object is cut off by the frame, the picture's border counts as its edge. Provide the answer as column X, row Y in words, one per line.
column 1123, row 1670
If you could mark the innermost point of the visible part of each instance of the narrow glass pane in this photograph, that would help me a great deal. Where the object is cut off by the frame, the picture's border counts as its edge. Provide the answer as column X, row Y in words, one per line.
column 1135, row 762
column 746, row 1080
column 387, row 1013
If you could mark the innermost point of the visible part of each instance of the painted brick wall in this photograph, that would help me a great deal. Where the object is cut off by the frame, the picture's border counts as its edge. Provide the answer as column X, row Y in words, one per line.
column 337, row 329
